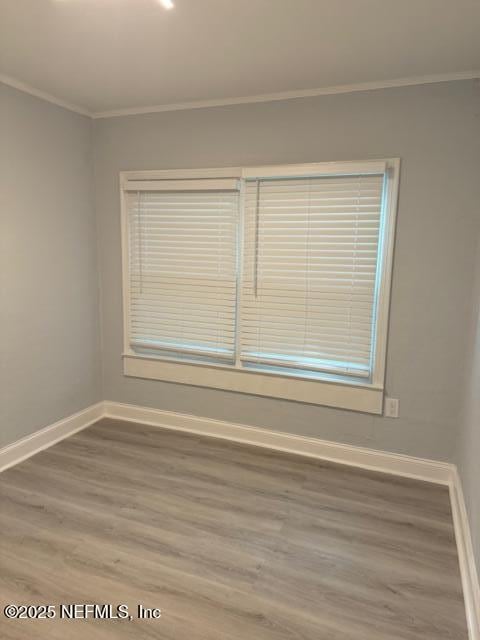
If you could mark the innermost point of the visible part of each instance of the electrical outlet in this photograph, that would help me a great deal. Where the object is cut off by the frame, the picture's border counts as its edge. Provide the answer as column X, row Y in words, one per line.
column 391, row 407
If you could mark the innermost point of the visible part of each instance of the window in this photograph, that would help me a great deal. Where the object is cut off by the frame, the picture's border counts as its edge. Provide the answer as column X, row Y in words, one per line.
column 269, row 280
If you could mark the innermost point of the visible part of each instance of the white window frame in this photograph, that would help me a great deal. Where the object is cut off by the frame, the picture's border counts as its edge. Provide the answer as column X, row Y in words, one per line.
column 333, row 391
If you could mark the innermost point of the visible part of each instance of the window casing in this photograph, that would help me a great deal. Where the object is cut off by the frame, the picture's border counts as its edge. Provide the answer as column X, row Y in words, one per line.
column 265, row 280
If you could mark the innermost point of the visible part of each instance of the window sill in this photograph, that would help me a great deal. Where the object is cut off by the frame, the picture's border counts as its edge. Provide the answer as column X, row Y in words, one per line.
column 342, row 395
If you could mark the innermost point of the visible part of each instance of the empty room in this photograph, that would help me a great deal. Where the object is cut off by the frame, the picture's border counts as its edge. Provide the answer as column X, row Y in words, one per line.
column 239, row 320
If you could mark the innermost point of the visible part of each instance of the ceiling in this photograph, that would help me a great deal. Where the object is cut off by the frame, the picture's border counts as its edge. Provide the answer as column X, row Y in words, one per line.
column 106, row 55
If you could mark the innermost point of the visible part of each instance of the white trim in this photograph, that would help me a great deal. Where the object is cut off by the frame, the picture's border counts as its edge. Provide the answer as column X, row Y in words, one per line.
column 130, row 179
column 466, row 558
column 125, row 242
column 382, row 461
column 223, row 102
column 30, row 445
column 343, row 395
column 318, row 169
column 180, row 174
column 222, row 184
column 26, row 88
column 418, row 468
column 289, row 95
column 385, row 271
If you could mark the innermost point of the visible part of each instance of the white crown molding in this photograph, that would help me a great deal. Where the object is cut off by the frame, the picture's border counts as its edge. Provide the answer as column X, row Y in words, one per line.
column 26, row 88
column 290, row 95
column 39, row 440
column 223, row 102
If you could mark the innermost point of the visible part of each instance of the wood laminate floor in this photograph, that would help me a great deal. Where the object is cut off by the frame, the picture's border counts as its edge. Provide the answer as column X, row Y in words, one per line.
column 231, row 542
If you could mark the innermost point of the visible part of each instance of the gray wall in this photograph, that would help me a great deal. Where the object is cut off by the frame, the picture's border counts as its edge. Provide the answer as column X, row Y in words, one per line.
column 49, row 329
column 468, row 454
column 433, row 128
column 50, row 358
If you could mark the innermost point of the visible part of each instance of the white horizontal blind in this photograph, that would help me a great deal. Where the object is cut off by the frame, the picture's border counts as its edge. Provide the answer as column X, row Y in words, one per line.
column 182, row 271
column 311, row 251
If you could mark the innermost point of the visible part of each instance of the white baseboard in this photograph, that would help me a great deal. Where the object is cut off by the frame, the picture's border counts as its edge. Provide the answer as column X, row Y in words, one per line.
column 407, row 466
column 429, row 470
column 468, row 569
column 28, row 446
